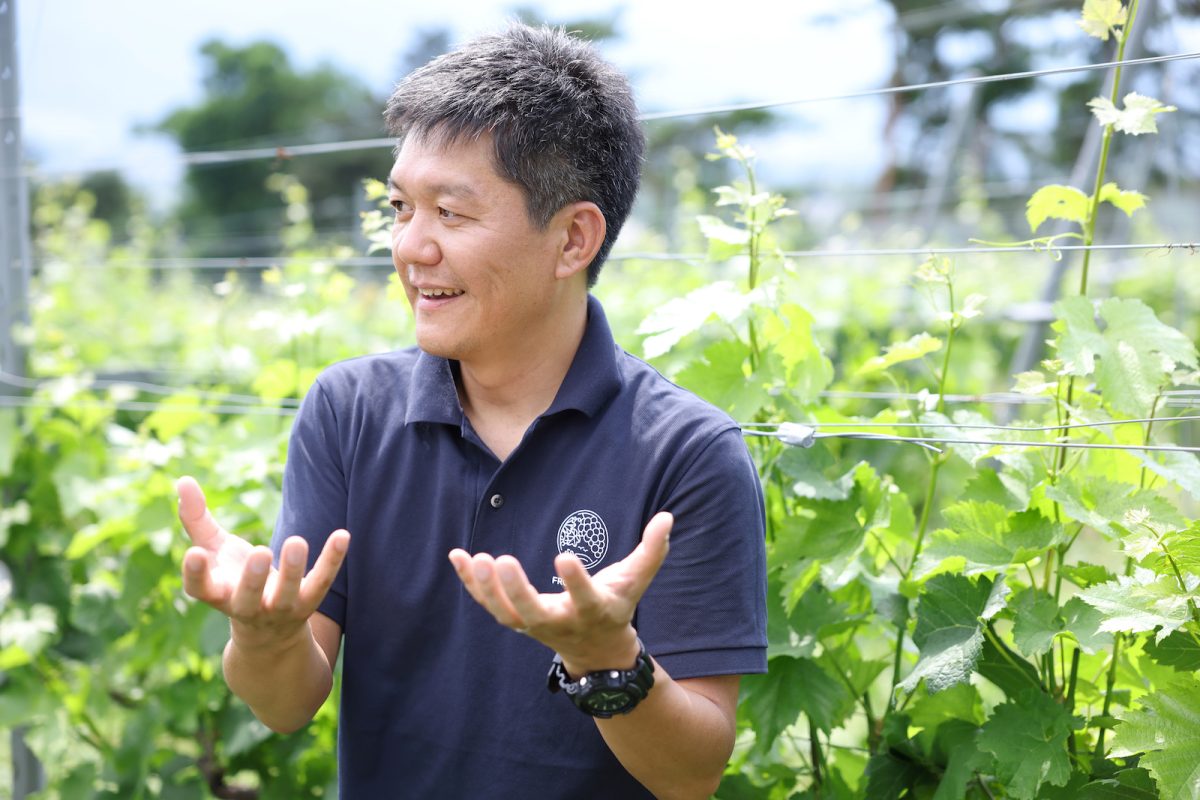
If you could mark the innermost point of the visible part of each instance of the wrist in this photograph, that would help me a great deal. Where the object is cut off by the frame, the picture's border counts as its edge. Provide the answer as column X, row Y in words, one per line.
column 619, row 651
column 258, row 643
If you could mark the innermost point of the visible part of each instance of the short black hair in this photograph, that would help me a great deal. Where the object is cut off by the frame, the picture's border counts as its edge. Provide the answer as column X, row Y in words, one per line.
column 562, row 120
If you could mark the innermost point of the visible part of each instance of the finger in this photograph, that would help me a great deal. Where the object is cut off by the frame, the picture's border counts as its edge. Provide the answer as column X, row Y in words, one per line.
column 316, row 584
column 577, row 582
column 520, row 592
column 197, row 578
column 247, row 599
column 462, row 562
column 489, row 593
column 292, row 558
column 193, row 513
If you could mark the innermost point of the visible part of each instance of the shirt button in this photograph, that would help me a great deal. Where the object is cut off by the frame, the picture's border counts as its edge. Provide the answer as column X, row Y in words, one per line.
column 497, row 500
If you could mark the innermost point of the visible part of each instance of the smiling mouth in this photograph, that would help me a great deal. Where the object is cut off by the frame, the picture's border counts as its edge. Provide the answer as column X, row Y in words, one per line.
column 440, row 292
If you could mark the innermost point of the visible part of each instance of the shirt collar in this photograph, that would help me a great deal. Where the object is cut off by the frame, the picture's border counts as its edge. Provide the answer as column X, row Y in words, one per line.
column 592, row 380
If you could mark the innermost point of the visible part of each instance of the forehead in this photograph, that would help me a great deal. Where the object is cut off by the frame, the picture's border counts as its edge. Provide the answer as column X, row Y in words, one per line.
column 458, row 167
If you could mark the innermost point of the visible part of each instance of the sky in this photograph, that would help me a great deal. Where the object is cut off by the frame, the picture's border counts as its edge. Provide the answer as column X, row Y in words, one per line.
column 92, row 72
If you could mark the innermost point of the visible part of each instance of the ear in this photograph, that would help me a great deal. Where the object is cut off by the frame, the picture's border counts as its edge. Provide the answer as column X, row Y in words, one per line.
column 583, row 227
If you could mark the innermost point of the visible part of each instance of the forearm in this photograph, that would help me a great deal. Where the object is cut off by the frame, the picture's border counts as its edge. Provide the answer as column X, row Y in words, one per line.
column 676, row 742
column 283, row 683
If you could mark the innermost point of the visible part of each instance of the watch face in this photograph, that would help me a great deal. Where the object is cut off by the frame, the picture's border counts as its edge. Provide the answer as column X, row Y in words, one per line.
column 608, row 701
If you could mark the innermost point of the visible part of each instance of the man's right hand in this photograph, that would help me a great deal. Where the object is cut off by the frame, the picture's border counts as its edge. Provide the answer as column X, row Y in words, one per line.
column 267, row 607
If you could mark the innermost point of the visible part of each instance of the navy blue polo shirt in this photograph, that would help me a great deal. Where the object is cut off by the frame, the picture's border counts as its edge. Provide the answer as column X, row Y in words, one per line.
column 439, row 700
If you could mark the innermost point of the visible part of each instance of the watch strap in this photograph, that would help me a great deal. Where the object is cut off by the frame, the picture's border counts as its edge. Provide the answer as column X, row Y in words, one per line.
column 634, row 683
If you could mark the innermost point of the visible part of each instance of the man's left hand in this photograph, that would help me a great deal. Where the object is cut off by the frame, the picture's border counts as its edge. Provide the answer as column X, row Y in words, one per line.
column 589, row 624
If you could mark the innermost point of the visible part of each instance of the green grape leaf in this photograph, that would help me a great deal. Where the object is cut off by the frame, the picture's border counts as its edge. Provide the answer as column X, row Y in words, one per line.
column 1179, row 650
column 1184, row 547
column 720, row 377
column 987, row 486
column 1165, row 727
column 988, row 536
column 1007, row 670
column 960, row 741
column 1036, row 621
column 949, row 633
column 1137, row 354
column 1100, row 17
column 939, row 426
column 791, row 687
column 1128, row 784
column 1083, row 622
column 1029, row 740
column 1140, row 602
column 176, row 414
column 886, row 598
column 671, row 321
column 1085, row 575
column 889, row 776
column 1056, row 201
column 808, row 468
column 787, row 334
column 1137, row 117
column 1101, row 504
column 1034, row 383
column 724, row 240
column 961, row 702
column 1127, row 201
column 911, row 349
column 1181, row 469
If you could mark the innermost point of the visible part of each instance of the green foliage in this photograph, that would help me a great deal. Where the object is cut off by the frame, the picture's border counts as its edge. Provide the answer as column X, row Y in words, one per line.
column 1166, row 728
column 114, row 673
column 1017, row 643
column 981, row 622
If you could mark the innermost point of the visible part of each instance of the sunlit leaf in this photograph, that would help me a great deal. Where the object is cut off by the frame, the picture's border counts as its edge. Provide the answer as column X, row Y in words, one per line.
column 897, row 353
column 1101, row 17
column 1127, row 201
column 1140, row 602
column 1136, row 118
column 1056, row 202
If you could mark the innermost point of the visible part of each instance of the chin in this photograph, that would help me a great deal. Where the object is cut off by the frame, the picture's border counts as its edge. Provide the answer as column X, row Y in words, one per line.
column 440, row 346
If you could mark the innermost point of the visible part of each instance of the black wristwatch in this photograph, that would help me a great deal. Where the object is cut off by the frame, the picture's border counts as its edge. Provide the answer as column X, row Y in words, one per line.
column 608, row 691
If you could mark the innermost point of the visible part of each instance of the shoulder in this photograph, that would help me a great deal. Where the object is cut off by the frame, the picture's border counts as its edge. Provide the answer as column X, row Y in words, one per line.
column 668, row 408
column 356, row 374
column 351, row 392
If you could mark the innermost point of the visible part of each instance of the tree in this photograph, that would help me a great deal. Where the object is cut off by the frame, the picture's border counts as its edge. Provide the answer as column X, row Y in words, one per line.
column 254, row 97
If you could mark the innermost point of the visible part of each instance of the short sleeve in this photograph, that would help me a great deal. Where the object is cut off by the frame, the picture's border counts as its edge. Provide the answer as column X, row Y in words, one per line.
column 705, row 612
column 314, row 491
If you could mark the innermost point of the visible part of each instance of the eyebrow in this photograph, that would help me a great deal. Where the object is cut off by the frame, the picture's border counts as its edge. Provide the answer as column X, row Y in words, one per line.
column 461, row 191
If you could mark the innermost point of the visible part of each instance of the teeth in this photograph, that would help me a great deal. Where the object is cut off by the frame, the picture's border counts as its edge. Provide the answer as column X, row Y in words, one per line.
column 441, row 292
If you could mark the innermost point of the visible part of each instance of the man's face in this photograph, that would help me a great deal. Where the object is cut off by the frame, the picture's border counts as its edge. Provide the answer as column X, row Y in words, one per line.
column 479, row 275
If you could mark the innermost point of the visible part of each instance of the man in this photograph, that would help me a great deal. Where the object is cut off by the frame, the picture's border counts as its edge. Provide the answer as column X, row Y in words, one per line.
column 511, row 485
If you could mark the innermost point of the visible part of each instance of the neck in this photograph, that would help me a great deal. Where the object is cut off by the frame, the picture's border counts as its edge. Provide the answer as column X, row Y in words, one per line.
column 503, row 395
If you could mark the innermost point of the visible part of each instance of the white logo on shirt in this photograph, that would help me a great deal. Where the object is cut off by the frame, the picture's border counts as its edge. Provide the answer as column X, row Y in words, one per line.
column 584, row 534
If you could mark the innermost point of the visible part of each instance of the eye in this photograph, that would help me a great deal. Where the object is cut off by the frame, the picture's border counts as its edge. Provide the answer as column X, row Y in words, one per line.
column 400, row 206
column 446, row 213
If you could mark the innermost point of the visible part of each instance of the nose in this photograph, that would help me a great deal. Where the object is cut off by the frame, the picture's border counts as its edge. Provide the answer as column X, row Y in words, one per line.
column 413, row 242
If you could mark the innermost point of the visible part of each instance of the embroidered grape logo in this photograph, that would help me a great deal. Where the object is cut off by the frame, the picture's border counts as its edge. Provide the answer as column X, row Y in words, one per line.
column 584, row 534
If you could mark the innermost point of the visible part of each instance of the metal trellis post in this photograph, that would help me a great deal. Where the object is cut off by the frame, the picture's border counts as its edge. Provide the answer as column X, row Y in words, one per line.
column 27, row 773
